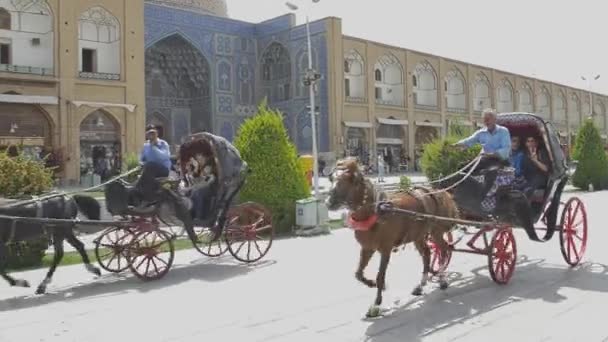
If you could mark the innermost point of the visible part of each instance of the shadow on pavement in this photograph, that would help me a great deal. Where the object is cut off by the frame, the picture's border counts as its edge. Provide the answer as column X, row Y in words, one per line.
column 210, row 270
column 477, row 295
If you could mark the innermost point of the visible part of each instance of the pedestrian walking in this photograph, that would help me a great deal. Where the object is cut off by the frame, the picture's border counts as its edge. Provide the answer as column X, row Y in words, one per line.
column 380, row 169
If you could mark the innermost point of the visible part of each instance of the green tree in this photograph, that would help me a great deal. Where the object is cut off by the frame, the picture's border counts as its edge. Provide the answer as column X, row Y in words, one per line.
column 592, row 165
column 440, row 159
column 276, row 180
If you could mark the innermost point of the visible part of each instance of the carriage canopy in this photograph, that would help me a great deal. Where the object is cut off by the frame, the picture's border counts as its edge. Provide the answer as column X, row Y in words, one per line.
column 229, row 164
column 526, row 124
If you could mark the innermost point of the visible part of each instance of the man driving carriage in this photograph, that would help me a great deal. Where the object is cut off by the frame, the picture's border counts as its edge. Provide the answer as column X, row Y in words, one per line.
column 494, row 139
column 156, row 163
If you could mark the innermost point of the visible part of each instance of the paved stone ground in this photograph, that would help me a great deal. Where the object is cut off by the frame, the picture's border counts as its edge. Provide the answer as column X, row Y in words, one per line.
column 304, row 290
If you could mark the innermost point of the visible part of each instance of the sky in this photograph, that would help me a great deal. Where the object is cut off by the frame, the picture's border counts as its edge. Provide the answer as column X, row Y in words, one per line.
column 553, row 40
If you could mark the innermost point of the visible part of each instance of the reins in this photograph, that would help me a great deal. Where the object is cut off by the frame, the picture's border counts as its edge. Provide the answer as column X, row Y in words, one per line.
column 70, row 193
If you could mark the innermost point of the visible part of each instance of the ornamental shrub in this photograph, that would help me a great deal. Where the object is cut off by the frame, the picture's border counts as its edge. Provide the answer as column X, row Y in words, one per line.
column 592, row 165
column 440, row 159
column 405, row 183
column 276, row 180
column 20, row 178
column 131, row 161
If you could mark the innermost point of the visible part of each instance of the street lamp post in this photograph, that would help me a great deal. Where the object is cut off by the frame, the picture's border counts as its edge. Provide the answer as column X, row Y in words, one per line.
column 590, row 94
column 310, row 79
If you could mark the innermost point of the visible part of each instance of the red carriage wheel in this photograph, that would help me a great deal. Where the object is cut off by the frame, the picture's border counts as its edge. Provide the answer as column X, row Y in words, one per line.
column 215, row 249
column 439, row 260
column 573, row 236
column 249, row 232
column 503, row 256
column 111, row 249
column 151, row 254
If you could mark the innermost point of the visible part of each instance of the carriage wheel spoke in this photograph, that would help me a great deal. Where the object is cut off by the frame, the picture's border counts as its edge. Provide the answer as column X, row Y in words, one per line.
column 248, row 249
column 241, row 246
column 258, row 247
column 161, row 260
column 574, row 248
column 147, row 265
column 155, row 267
column 141, row 263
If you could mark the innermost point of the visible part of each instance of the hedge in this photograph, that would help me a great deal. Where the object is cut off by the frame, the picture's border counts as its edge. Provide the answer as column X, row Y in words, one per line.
column 592, row 165
column 276, row 180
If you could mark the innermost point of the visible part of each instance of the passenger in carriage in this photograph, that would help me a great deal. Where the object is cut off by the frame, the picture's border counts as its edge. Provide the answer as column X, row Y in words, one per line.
column 535, row 166
column 517, row 156
column 201, row 192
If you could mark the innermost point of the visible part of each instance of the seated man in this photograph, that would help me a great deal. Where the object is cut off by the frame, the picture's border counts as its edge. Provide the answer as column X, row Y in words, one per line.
column 494, row 139
column 156, row 160
column 535, row 167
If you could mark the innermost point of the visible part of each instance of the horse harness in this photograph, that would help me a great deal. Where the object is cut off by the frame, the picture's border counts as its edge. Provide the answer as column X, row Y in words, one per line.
column 39, row 214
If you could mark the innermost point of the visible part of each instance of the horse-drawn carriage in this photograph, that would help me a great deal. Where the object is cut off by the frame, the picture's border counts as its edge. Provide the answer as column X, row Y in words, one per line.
column 141, row 244
column 141, row 240
column 543, row 206
column 429, row 216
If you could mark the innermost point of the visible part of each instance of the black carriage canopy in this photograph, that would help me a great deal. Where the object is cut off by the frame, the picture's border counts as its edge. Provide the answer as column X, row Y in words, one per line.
column 526, row 124
column 229, row 165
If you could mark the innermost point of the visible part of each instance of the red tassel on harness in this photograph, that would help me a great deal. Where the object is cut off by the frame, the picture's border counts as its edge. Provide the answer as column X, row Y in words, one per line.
column 362, row 225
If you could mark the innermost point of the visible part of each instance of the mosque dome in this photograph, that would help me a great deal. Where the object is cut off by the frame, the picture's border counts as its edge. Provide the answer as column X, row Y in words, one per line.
column 211, row 7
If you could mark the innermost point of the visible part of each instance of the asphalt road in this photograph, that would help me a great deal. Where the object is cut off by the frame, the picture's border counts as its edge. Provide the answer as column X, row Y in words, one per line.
column 304, row 290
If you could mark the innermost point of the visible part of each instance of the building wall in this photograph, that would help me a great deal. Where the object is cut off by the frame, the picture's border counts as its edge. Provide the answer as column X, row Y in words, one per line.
column 234, row 51
column 69, row 85
column 555, row 102
column 28, row 23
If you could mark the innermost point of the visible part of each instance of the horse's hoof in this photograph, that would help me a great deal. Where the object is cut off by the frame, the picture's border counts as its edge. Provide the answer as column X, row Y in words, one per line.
column 443, row 285
column 41, row 290
column 373, row 312
column 21, row 283
column 371, row 284
column 417, row 291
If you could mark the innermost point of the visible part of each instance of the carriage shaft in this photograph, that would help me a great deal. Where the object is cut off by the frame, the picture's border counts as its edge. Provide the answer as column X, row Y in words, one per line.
column 51, row 221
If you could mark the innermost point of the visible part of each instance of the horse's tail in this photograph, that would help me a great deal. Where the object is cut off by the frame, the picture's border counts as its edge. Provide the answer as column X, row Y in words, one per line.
column 89, row 206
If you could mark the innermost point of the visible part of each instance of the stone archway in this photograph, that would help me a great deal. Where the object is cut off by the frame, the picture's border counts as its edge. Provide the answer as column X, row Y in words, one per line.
column 178, row 85
column 100, row 147
column 25, row 125
column 425, row 135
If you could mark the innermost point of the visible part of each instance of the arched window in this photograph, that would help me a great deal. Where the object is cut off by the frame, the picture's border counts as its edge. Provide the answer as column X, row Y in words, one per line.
column 425, row 85
column 354, row 75
column 99, row 43
column 504, row 95
column 455, row 94
column 378, row 75
column 276, row 72
column 481, row 93
column 389, row 80
column 5, row 19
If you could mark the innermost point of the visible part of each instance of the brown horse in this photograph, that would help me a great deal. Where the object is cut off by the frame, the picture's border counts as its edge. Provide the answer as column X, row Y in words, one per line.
column 385, row 232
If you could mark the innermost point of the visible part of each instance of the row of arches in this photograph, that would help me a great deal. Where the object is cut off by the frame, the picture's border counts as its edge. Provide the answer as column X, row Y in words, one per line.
column 28, row 32
column 389, row 79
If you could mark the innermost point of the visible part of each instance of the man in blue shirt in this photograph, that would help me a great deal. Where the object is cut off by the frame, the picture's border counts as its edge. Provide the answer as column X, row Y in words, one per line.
column 494, row 139
column 156, row 160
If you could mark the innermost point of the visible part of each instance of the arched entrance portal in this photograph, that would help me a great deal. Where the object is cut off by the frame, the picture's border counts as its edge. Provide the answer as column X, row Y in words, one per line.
column 390, row 142
column 356, row 143
column 425, row 135
column 100, row 148
column 178, row 85
column 26, row 126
